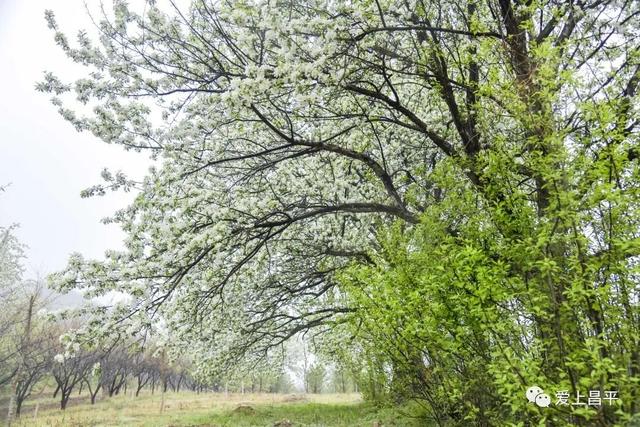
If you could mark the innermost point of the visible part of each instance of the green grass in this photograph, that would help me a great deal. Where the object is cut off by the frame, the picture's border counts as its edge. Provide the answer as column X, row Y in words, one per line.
column 214, row 409
column 303, row 414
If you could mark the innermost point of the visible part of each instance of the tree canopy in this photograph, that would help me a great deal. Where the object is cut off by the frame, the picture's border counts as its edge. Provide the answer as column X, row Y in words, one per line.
column 450, row 189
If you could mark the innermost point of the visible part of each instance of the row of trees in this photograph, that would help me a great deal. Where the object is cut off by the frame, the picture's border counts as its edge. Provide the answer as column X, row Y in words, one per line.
column 116, row 370
column 33, row 356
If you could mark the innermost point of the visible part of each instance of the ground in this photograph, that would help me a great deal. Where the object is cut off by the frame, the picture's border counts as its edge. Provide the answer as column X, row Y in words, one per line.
column 214, row 409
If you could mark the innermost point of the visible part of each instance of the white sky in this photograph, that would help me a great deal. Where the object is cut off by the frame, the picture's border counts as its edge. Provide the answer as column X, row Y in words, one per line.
column 46, row 161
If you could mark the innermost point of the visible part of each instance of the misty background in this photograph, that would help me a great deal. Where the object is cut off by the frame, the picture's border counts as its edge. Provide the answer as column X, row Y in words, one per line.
column 45, row 161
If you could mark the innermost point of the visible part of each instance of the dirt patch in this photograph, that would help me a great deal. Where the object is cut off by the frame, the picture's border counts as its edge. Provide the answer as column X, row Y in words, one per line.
column 295, row 398
column 244, row 410
column 193, row 425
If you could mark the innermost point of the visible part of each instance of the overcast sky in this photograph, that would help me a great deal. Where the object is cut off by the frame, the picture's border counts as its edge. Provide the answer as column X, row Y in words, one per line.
column 46, row 161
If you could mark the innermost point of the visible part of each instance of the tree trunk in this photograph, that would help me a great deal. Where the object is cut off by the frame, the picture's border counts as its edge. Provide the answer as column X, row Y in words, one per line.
column 55, row 392
column 138, row 389
column 94, row 393
column 12, row 402
column 19, row 407
column 64, row 399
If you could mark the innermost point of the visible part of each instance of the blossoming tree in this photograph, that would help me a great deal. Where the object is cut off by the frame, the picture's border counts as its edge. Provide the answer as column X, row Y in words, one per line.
column 451, row 184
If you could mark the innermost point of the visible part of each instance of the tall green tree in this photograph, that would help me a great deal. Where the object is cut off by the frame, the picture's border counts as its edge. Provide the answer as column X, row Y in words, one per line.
column 11, row 269
column 315, row 378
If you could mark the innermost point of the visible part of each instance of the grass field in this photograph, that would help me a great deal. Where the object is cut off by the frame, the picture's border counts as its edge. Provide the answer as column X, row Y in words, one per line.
column 213, row 409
